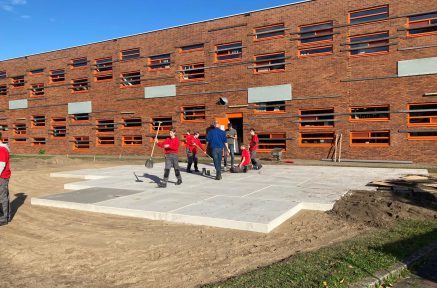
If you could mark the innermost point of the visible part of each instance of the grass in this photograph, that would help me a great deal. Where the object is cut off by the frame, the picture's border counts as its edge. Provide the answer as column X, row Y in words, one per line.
column 20, row 157
column 341, row 264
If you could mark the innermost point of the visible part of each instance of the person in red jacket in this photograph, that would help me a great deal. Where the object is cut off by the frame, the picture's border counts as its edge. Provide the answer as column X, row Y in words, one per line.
column 5, row 174
column 245, row 160
column 171, row 149
column 193, row 144
column 252, row 149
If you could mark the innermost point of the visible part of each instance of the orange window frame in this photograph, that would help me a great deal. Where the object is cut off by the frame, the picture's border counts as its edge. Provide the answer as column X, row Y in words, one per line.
column 280, row 29
column 155, row 62
column 37, row 141
column 281, row 111
column 58, row 124
column 20, row 141
column 371, row 44
column 75, row 118
column 267, row 63
column 80, row 85
column 81, row 143
column 314, row 116
column 271, row 136
column 57, row 76
column 198, row 112
column 20, row 131
column 187, row 49
column 317, row 33
column 3, row 74
column 329, row 137
column 432, row 118
column 37, row 90
column 18, row 82
column 105, row 64
column 422, row 138
column 350, row 19
column 105, row 141
column 303, row 49
column 130, row 54
column 367, row 135
column 130, row 79
column 165, row 126
column 107, row 126
column 3, row 90
column 422, row 23
column 135, row 120
column 193, row 67
column 35, row 72
column 228, row 52
column 77, row 63
column 351, row 119
column 37, row 122
column 132, row 141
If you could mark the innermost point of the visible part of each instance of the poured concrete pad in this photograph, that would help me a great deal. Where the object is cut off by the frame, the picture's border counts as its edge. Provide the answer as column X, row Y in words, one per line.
column 254, row 201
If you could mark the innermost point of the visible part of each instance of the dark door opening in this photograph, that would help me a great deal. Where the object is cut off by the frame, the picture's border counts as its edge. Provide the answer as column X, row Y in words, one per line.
column 237, row 124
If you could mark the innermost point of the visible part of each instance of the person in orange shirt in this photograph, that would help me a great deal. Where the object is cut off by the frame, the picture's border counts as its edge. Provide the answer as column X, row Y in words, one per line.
column 171, row 149
column 245, row 160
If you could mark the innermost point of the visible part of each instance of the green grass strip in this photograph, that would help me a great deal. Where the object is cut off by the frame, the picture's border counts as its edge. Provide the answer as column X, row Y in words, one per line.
column 342, row 264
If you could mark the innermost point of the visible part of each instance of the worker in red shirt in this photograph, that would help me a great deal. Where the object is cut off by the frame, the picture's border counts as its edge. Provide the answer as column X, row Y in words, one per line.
column 252, row 149
column 193, row 144
column 171, row 149
column 5, row 174
column 245, row 160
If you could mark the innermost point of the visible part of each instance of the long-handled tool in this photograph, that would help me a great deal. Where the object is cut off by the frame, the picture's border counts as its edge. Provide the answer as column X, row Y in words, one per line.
column 149, row 162
column 203, row 151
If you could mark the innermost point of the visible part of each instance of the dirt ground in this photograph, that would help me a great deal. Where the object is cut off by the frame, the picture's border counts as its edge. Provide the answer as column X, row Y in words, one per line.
column 48, row 247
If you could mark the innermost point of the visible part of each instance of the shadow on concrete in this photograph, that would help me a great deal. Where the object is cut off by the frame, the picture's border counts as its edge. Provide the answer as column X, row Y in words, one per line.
column 154, row 178
column 19, row 200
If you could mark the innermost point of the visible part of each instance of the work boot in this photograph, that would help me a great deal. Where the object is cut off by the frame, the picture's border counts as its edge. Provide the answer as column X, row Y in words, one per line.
column 179, row 182
column 163, row 183
column 178, row 175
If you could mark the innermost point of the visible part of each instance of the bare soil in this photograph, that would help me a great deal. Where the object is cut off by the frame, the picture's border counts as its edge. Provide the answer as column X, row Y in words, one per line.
column 49, row 247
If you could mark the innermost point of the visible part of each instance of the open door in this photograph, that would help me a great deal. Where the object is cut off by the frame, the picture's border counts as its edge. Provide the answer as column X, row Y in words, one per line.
column 223, row 123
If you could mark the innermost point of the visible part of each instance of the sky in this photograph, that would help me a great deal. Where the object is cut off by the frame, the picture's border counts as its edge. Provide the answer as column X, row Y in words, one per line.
column 35, row 26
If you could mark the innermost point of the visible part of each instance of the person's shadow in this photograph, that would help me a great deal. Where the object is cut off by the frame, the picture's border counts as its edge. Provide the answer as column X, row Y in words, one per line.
column 154, row 178
column 19, row 200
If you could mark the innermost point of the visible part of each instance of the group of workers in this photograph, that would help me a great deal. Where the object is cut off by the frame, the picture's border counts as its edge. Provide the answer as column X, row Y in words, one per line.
column 218, row 143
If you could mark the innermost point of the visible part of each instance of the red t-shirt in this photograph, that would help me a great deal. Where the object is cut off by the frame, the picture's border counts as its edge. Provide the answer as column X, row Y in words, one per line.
column 4, row 157
column 246, row 156
column 174, row 145
column 253, row 145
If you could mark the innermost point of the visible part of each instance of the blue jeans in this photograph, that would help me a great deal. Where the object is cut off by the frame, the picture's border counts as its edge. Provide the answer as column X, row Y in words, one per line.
column 217, row 156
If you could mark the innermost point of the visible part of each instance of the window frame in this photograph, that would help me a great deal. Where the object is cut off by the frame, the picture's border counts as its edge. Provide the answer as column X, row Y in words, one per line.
column 81, row 64
column 102, row 139
column 76, row 117
column 132, row 127
column 135, row 76
column 432, row 118
column 181, row 49
column 3, row 74
column 322, row 144
column 36, row 120
column 159, row 62
column 256, row 34
column 130, row 56
column 305, row 48
column 58, row 123
column 429, row 20
column 193, row 68
column 317, row 119
column 4, row 90
column 196, row 113
column 38, row 143
column 79, row 85
column 32, row 72
column 37, row 90
column 164, row 129
column 257, row 105
column 85, row 141
column 19, row 131
column 421, row 138
column 369, row 132
column 124, row 139
column 217, row 50
column 266, row 150
column 107, row 126
column 18, row 82
column 106, row 62
column 351, row 119
column 270, row 65
column 369, row 44
column 56, row 76
column 371, row 15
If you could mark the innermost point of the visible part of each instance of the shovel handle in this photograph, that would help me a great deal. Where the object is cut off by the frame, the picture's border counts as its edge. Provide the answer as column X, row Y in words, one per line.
column 203, row 151
column 156, row 137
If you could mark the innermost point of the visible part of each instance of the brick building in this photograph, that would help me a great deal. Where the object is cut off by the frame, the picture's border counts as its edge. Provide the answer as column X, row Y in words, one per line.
column 304, row 75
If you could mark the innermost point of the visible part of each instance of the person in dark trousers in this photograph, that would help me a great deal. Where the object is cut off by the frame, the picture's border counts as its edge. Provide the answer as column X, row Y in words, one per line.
column 5, row 174
column 171, row 148
column 193, row 144
column 245, row 160
column 231, row 135
column 253, row 146
column 216, row 140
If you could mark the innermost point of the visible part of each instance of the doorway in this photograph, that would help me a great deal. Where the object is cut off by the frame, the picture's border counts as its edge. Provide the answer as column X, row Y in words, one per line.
column 236, row 119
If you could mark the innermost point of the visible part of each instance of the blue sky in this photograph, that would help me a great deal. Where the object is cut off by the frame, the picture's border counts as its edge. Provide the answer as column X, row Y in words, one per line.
column 35, row 26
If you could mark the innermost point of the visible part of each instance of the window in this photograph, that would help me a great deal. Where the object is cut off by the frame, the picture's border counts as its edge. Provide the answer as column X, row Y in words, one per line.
column 317, row 139
column 130, row 141
column 269, row 141
column 36, row 71
column 38, row 121
column 423, row 24
column 269, row 32
column 18, row 81
column 192, row 48
column 370, row 113
column 4, row 127
column 166, row 124
column 270, row 107
column 20, row 140
column 424, row 114
column 79, row 62
column 192, row 72
column 40, row 141
column 59, row 128
column 316, row 118
column 104, row 141
column 105, row 126
column 79, row 85
column 368, row 15
column 3, row 75
column 3, row 90
column 103, row 70
column 57, row 76
column 20, row 129
column 370, row 138
column 132, row 123
column 193, row 113
column 159, row 62
column 269, row 63
column 422, row 135
column 130, row 79
column 81, row 143
column 229, row 52
column 81, row 117
column 369, row 44
column 37, row 89
column 316, row 33
column 130, row 54
column 315, row 51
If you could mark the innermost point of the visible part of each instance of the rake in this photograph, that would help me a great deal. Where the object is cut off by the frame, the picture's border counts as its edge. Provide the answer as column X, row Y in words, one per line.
column 149, row 162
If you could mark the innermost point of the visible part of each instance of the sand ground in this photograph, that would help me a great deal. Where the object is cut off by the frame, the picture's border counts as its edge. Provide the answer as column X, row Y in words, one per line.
column 49, row 247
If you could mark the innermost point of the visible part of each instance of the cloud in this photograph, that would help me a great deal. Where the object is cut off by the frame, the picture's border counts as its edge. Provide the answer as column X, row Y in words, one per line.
column 25, row 16
column 8, row 5
column 18, row 2
column 52, row 20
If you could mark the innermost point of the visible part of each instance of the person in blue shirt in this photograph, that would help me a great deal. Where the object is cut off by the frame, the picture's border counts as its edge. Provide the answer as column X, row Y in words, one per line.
column 216, row 139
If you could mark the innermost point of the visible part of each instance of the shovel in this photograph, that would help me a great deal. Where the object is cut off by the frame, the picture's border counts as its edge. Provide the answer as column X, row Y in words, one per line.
column 149, row 162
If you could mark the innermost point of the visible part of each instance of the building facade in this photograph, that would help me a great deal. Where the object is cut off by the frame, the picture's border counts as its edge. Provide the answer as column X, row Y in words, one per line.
column 309, row 77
